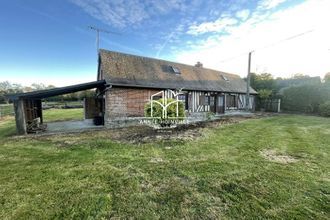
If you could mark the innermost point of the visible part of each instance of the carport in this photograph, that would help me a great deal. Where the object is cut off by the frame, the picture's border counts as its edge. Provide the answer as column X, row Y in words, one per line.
column 28, row 106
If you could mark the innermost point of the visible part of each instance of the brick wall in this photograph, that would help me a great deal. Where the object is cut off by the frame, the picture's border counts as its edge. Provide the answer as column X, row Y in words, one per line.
column 126, row 102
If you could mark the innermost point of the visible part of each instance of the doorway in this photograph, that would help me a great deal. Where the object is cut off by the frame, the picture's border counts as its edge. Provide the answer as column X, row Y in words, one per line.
column 220, row 104
column 213, row 103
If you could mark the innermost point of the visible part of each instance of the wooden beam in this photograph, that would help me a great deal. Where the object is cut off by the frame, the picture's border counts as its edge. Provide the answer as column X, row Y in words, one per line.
column 20, row 117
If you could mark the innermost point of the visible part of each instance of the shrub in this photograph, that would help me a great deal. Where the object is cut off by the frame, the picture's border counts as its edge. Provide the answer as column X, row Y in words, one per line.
column 210, row 115
column 305, row 99
column 264, row 93
column 157, row 109
column 325, row 109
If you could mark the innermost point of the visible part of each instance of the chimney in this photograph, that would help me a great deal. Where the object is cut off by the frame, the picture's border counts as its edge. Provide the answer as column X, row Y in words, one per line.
column 199, row 64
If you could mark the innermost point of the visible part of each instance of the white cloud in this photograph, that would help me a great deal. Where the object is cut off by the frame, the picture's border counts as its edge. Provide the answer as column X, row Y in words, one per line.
column 219, row 25
column 114, row 12
column 269, row 4
column 124, row 13
column 306, row 54
column 243, row 14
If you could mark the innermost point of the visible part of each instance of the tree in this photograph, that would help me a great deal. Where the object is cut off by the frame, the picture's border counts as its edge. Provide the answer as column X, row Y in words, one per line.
column 327, row 78
column 300, row 76
column 263, row 81
column 38, row 86
column 8, row 88
column 264, row 93
column 305, row 98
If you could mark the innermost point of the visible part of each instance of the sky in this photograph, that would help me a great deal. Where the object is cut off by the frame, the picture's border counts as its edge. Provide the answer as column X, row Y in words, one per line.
column 49, row 41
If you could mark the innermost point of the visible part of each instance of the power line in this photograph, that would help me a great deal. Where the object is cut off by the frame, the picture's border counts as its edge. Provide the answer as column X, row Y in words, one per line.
column 234, row 57
column 249, row 64
column 269, row 45
column 286, row 39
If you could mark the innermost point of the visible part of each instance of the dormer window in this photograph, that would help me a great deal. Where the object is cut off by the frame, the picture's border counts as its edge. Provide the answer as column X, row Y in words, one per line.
column 224, row 78
column 175, row 70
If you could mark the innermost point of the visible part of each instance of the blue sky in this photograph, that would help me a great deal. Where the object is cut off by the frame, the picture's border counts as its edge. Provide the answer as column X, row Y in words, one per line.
column 49, row 42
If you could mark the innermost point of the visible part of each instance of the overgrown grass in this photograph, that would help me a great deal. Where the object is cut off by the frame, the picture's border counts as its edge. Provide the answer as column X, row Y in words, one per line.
column 63, row 114
column 221, row 175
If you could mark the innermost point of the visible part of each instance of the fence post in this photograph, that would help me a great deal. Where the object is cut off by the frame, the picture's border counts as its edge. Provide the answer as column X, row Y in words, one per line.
column 279, row 105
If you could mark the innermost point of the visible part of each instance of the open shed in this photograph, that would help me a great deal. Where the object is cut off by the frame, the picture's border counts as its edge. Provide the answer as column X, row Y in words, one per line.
column 28, row 106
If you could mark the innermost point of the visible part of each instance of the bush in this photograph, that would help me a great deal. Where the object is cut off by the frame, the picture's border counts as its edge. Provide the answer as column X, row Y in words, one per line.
column 157, row 109
column 325, row 109
column 305, row 99
column 210, row 115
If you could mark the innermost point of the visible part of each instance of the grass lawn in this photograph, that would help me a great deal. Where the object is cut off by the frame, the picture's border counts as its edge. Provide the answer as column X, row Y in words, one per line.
column 63, row 114
column 7, row 124
column 6, row 109
column 221, row 175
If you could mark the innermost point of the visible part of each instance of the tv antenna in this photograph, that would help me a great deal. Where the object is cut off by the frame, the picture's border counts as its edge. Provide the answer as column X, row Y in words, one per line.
column 98, row 30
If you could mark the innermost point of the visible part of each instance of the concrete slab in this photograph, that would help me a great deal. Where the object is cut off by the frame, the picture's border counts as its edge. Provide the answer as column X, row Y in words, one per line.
column 71, row 126
column 237, row 113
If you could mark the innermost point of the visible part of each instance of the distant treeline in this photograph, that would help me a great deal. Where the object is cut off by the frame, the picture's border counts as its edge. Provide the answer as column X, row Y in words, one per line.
column 7, row 88
column 300, row 93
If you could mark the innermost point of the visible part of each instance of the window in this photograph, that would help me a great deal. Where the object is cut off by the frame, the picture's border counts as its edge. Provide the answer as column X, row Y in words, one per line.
column 183, row 99
column 224, row 78
column 204, row 99
column 157, row 97
column 231, row 101
column 175, row 70
column 207, row 100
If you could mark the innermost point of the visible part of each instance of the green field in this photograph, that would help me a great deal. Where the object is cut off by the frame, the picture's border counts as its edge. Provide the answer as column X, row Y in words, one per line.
column 6, row 109
column 51, row 115
column 222, row 175
column 7, row 124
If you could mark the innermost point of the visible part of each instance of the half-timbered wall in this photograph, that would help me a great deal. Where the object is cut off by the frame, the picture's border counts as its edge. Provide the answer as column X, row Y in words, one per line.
column 130, row 102
column 236, row 101
column 199, row 101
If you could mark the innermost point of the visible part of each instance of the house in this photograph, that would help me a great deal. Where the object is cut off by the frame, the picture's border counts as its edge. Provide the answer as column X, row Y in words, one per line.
column 134, row 79
column 125, row 83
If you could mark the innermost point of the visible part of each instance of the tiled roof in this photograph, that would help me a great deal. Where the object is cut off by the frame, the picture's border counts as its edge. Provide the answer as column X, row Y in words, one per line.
column 136, row 71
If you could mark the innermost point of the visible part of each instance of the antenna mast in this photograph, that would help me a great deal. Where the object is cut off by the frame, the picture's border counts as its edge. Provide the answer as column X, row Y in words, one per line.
column 98, row 30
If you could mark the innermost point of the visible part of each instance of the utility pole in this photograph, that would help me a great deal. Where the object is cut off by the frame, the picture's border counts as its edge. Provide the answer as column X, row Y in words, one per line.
column 98, row 30
column 247, row 97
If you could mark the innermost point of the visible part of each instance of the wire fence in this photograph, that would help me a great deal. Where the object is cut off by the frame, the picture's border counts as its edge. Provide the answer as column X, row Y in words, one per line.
column 6, row 110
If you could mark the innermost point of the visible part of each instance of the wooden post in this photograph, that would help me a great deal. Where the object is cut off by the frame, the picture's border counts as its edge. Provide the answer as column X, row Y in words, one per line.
column 225, row 101
column 279, row 105
column 20, row 117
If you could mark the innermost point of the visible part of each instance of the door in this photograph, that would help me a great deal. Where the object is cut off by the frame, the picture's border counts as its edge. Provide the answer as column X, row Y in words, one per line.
column 220, row 104
column 213, row 103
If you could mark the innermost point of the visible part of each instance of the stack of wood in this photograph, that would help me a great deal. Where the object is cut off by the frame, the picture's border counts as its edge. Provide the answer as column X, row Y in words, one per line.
column 35, row 126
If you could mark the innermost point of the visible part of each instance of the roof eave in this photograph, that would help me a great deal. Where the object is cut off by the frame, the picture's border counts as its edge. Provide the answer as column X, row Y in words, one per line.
column 186, row 89
column 57, row 91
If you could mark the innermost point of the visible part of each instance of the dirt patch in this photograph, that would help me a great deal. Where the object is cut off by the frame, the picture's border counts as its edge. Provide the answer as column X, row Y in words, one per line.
column 188, row 132
column 5, row 119
column 145, row 134
column 274, row 156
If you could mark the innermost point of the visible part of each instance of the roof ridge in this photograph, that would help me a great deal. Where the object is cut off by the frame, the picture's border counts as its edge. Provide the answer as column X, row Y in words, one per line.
column 152, row 58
